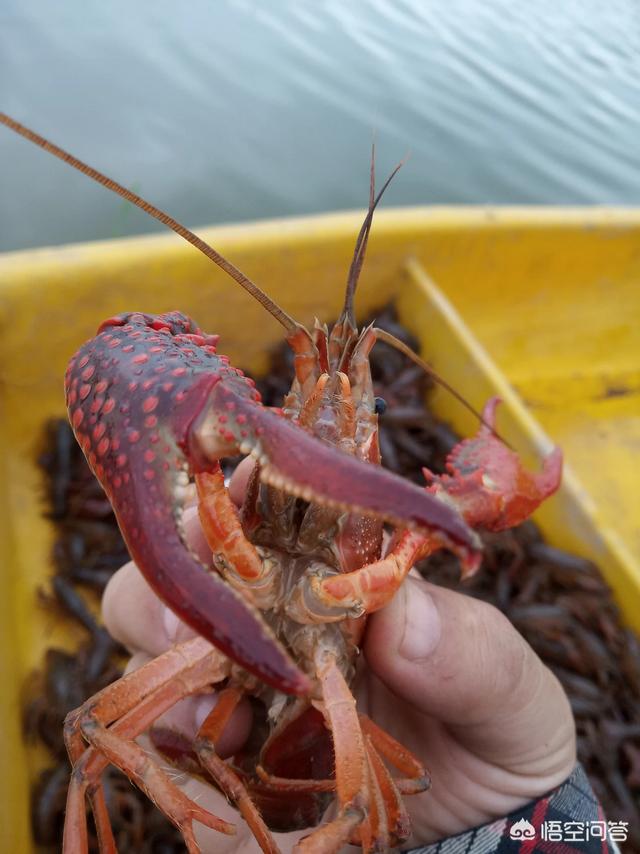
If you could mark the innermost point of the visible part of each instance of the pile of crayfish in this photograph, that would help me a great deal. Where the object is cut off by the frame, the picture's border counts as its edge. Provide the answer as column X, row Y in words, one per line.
column 280, row 611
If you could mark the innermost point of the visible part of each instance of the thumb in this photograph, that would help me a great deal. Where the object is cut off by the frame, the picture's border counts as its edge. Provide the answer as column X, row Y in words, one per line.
column 460, row 661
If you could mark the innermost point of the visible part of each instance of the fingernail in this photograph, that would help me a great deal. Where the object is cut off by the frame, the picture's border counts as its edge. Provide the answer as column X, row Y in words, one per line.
column 422, row 626
column 175, row 630
column 170, row 624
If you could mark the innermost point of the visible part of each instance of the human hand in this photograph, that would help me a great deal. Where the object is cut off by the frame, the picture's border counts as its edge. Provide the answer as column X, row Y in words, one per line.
column 446, row 675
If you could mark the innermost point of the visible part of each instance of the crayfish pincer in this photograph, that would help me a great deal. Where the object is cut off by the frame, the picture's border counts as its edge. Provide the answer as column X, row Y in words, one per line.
column 280, row 611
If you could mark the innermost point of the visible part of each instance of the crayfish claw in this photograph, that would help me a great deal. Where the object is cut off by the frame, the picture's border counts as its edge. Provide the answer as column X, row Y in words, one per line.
column 487, row 482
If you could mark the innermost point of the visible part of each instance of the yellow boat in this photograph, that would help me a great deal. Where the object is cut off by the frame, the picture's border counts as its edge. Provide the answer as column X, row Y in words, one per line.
column 541, row 306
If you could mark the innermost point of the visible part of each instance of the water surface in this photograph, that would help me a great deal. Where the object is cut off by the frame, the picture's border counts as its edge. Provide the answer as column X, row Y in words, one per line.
column 241, row 109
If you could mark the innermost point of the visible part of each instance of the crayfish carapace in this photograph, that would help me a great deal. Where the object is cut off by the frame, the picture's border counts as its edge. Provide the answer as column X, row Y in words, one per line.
column 293, row 575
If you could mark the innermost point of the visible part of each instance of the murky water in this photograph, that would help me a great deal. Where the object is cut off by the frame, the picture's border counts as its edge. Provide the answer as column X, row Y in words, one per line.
column 242, row 109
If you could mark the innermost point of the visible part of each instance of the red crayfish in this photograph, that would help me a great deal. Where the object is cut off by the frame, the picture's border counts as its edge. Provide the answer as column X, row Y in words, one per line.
column 294, row 574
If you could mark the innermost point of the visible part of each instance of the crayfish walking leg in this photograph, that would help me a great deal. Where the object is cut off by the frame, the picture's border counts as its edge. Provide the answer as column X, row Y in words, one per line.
column 128, row 707
column 416, row 777
column 222, row 773
column 371, row 811
column 351, row 771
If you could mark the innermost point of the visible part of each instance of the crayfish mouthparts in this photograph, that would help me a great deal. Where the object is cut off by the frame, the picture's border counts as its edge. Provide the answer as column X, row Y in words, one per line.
column 306, row 607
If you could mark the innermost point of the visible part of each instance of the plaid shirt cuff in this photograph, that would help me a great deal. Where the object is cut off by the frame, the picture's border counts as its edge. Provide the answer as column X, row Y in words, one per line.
column 567, row 820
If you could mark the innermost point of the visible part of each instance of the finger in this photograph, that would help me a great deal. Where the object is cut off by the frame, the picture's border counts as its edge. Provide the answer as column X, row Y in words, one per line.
column 133, row 614
column 460, row 661
column 240, row 479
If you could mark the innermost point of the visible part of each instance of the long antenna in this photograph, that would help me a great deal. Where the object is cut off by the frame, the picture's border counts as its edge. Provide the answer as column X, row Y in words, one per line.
column 363, row 238
column 281, row 316
column 397, row 344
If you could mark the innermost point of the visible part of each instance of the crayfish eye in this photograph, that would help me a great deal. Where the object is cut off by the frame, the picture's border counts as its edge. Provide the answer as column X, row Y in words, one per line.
column 380, row 406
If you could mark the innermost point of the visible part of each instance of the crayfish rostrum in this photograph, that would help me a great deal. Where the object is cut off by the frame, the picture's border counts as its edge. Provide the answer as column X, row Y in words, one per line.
column 293, row 574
